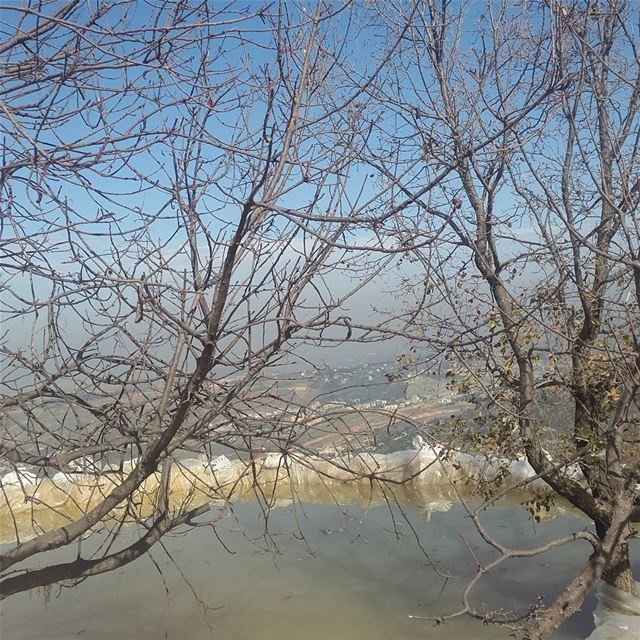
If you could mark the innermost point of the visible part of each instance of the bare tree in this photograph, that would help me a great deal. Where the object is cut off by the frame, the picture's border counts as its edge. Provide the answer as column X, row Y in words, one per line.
column 532, row 292
column 191, row 193
column 179, row 199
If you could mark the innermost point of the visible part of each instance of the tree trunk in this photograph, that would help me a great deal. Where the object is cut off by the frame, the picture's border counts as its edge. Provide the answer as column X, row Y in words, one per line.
column 618, row 571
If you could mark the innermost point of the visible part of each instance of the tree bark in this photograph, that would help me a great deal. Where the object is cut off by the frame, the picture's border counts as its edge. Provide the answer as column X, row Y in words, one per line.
column 618, row 572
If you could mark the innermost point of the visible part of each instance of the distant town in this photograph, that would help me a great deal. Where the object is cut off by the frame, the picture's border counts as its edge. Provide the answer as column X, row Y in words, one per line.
column 371, row 406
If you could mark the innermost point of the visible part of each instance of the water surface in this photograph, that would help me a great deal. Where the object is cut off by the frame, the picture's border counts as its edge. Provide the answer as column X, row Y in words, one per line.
column 321, row 572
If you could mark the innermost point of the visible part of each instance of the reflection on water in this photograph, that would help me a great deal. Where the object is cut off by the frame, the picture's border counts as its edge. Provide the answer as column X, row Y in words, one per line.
column 324, row 572
column 30, row 504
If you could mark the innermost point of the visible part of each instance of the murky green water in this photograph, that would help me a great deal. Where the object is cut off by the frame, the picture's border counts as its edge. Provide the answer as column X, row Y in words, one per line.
column 324, row 572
